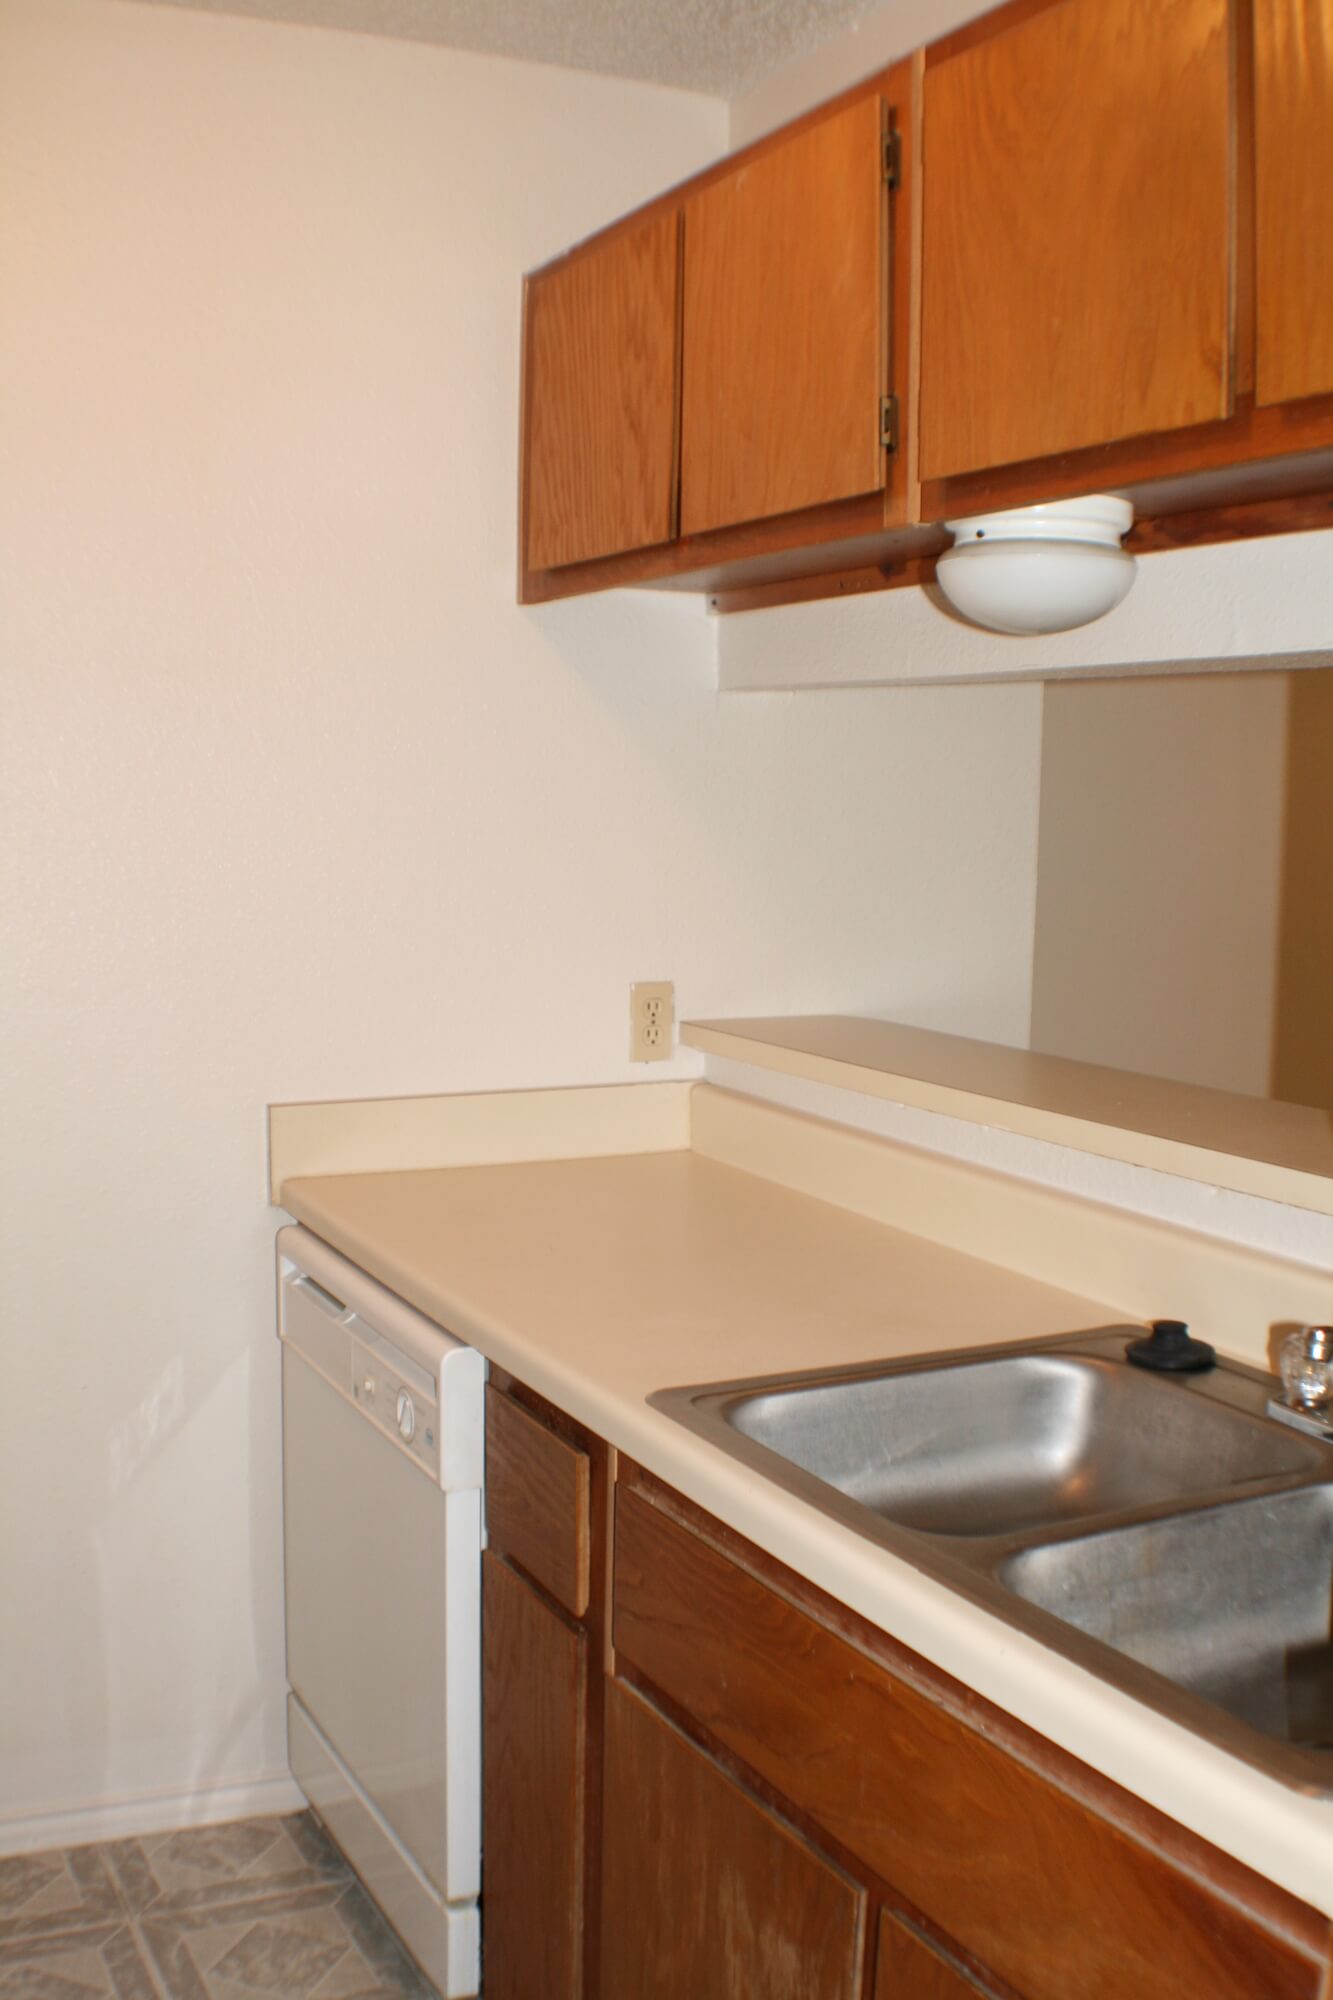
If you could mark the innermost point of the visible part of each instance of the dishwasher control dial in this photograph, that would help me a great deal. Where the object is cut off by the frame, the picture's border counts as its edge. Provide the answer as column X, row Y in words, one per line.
column 407, row 1417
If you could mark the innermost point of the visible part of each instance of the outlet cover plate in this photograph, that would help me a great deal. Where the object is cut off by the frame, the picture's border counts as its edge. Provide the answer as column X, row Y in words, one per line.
column 652, row 1020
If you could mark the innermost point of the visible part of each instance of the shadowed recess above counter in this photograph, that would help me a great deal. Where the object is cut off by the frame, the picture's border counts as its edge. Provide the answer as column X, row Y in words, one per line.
column 1182, row 946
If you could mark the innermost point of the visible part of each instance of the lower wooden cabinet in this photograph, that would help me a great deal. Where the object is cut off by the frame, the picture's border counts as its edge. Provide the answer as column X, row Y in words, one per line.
column 1051, row 1894
column 706, row 1895
column 718, row 1784
column 533, row 1735
column 908, row 1969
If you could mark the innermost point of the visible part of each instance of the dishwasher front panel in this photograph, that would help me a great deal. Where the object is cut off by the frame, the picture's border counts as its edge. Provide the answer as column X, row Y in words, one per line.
column 383, row 1623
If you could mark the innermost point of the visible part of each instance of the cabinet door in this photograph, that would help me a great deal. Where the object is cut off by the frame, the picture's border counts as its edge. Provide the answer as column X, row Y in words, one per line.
column 907, row 1968
column 534, row 1693
column 600, row 397
column 1293, row 136
column 785, row 326
column 705, row 1893
column 1076, row 263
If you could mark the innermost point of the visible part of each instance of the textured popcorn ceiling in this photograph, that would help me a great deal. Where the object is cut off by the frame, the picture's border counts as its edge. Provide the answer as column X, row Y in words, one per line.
column 721, row 47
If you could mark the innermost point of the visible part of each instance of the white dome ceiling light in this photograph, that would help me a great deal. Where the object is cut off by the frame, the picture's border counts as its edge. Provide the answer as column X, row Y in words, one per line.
column 1039, row 569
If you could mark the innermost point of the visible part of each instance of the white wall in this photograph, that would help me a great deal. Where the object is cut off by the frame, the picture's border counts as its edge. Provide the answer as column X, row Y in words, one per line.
column 1159, row 875
column 298, row 803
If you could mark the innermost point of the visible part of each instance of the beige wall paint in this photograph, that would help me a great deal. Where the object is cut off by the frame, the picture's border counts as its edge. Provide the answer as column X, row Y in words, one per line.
column 1159, row 875
column 1303, row 1030
column 299, row 805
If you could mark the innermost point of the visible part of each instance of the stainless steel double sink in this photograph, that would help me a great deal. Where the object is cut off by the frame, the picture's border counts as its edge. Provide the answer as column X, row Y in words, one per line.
column 1162, row 1531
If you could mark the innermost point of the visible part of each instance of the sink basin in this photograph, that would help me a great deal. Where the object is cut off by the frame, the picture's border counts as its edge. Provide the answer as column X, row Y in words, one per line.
column 992, row 1447
column 1163, row 1532
column 1234, row 1603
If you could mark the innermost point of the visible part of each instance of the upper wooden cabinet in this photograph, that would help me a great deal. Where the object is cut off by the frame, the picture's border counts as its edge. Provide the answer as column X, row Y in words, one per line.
column 785, row 326
column 1076, row 259
column 705, row 384
column 600, row 394
column 1095, row 259
column 1293, row 136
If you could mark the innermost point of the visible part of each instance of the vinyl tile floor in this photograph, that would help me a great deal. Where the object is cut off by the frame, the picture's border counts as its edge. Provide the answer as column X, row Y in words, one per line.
column 260, row 1907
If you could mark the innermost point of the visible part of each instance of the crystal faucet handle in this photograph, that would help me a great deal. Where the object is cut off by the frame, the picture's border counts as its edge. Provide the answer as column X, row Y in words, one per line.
column 1307, row 1367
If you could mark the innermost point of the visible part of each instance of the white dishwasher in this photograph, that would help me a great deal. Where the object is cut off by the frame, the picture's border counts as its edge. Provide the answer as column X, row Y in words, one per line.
column 382, row 1445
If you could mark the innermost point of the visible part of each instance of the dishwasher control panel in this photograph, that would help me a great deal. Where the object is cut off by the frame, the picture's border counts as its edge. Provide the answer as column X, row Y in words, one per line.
column 398, row 1396
column 391, row 1389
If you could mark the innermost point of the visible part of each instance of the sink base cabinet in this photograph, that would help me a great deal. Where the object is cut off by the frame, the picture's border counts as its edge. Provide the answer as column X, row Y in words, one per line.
column 1034, row 1883
column 908, row 1969
column 705, row 1892
column 752, row 1791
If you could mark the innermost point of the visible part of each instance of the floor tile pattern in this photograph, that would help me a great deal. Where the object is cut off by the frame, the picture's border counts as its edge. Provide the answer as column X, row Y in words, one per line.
column 258, row 1910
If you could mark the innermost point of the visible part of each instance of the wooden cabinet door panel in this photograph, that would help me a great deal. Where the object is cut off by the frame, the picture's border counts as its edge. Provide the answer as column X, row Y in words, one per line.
column 600, row 397
column 1076, row 263
column 1293, row 136
column 907, row 1969
column 784, row 353
column 533, row 1735
column 1056, row 1900
column 707, row 1896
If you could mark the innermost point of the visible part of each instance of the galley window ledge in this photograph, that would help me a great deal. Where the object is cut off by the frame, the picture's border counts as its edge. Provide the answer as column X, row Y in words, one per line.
column 1256, row 1146
column 1227, row 606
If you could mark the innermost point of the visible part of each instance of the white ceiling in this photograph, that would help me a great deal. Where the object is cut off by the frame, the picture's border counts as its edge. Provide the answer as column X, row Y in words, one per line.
column 721, row 47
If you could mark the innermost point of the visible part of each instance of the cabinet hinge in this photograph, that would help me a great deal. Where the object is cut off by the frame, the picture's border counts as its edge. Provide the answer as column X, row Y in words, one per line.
column 888, row 422
column 893, row 158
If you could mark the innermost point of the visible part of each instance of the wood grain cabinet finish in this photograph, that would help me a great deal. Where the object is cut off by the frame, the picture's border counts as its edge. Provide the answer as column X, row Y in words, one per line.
column 1077, row 245
column 600, row 386
column 706, row 1894
column 1294, row 198
column 906, row 1968
column 785, row 326
column 533, row 1801
column 1049, row 1896
column 1105, row 267
column 537, row 1501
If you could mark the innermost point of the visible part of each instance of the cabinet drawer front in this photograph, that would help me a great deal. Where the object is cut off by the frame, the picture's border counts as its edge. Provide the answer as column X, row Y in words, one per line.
column 706, row 1893
column 1056, row 1900
column 537, row 1501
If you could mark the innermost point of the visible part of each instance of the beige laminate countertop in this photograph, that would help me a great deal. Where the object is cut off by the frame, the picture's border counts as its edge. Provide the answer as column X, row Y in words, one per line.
column 599, row 1281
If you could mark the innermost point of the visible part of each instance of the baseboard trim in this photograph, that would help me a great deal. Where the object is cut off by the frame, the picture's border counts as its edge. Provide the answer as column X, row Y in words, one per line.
column 150, row 1812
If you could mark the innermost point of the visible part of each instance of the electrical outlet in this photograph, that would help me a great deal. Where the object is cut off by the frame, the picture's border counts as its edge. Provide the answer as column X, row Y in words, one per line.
column 652, row 1018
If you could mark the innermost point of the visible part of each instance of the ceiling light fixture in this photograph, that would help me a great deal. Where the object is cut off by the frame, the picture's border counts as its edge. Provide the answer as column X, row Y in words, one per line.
column 1039, row 569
